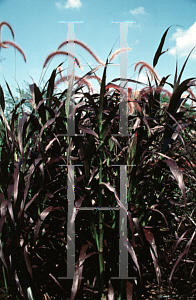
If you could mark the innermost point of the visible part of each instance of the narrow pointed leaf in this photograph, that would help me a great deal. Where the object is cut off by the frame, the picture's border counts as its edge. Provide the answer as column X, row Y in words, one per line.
column 102, row 94
column 174, row 101
column 150, row 238
column 159, row 50
column 127, row 213
column 177, row 243
column 175, row 76
column 20, row 129
column 31, row 201
column 180, row 75
column 178, row 176
column 51, row 85
column 178, row 260
column 42, row 217
column 48, row 123
column 9, row 90
column 2, row 100
column 163, row 80
column 2, row 256
column 27, row 261
column 134, row 257
column 78, row 272
column 110, row 291
column 56, row 281
column 6, row 123
column 136, row 222
column 88, row 130
column 129, row 80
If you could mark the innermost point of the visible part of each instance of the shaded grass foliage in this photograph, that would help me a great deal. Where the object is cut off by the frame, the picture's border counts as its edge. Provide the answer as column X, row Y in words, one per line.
column 160, row 193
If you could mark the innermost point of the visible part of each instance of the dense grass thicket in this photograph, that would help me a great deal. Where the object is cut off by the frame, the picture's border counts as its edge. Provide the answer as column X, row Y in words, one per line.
column 35, row 157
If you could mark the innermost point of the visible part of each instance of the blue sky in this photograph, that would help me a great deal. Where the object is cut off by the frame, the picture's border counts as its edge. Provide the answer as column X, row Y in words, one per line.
column 38, row 33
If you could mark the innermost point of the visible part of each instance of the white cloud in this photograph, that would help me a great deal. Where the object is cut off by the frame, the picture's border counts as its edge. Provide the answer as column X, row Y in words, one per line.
column 142, row 78
column 185, row 41
column 138, row 11
column 69, row 4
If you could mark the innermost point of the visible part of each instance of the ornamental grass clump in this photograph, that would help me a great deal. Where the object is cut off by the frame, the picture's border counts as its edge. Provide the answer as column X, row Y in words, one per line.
column 36, row 152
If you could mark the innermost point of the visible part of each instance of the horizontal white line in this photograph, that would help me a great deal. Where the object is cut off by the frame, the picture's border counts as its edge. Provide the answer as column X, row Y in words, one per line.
column 97, row 208
column 70, row 21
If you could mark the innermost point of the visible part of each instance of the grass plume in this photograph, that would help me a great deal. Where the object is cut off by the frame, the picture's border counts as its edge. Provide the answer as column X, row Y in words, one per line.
column 142, row 65
column 15, row 46
column 84, row 46
column 8, row 25
column 2, row 44
column 61, row 52
column 82, row 81
column 117, row 52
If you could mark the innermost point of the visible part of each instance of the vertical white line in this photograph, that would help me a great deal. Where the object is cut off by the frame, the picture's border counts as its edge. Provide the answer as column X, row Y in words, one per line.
column 70, row 48
column 70, row 181
column 71, row 235
column 123, row 130
column 70, row 70
column 123, row 253
column 123, row 126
